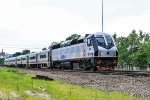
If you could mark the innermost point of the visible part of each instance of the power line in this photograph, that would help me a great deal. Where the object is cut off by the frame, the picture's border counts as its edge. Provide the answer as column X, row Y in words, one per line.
column 1, row 44
column 8, row 44
column 17, row 46
column 20, row 47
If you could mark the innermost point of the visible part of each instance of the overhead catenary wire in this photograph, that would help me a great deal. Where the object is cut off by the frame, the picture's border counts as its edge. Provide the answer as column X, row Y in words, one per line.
column 3, row 45
column 20, row 48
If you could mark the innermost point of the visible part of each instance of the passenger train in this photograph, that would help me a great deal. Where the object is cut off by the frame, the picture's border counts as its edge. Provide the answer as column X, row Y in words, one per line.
column 96, row 51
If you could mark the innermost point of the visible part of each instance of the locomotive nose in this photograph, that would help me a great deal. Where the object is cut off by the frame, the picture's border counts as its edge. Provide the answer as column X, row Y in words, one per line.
column 108, row 47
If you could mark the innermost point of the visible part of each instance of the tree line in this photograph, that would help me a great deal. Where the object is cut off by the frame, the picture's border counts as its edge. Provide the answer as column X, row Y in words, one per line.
column 133, row 50
column 24, row 52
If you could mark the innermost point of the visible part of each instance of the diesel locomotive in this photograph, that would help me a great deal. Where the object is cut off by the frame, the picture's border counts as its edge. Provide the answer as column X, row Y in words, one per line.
column 95, row 51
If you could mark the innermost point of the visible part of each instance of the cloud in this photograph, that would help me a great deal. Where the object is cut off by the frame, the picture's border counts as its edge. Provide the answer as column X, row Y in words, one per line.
column 124, row 25
column 36, row 23
column 51, row 24
column 37, row 26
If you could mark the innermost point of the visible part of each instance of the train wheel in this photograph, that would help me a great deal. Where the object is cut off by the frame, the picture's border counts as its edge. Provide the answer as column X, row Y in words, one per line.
column 88, row 66
column 95, row 68
column 71, row 66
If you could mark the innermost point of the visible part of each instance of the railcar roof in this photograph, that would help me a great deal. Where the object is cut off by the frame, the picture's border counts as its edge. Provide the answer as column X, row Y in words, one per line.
column 19, row 56
column 12, row 58
column 45, row 51
column 24, row 55
column 32, row 54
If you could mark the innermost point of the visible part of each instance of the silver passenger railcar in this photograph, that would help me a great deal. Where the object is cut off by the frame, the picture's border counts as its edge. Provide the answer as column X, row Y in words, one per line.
column 11, row 62
column 24, row 60
column 18, row 61
column 43, row 59
column 32, row 59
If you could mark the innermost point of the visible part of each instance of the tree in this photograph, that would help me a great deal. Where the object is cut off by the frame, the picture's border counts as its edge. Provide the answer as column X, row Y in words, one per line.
column 52, row 44
column 73, row 36
column 134, row 50
column 44, row 49
column 24, row 52
column 122, row 46
column 141, row 57
column 1, row 61
column 16, row 54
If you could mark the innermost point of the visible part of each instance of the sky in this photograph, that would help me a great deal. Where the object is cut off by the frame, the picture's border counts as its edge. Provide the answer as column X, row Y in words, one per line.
column 34, row 24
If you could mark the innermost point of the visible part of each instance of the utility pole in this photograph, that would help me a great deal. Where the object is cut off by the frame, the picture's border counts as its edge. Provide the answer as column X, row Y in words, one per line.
column 102, row 15
column 2, row 53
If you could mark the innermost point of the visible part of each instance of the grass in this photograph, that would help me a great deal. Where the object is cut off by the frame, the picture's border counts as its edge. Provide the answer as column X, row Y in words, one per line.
column 13, row 81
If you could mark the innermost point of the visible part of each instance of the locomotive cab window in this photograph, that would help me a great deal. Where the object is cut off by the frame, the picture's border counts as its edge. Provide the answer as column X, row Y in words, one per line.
column 100, row 41
column 109, row 41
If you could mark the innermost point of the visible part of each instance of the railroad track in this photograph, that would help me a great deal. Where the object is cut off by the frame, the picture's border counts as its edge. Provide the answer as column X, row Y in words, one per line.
column 127, row 73
column 115, row 72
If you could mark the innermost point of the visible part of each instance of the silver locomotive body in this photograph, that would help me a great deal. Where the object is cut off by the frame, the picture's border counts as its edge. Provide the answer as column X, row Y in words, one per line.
column 94, row 51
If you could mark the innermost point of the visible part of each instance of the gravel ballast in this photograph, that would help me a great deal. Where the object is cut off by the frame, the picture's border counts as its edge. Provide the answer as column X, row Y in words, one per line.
column 137, row 86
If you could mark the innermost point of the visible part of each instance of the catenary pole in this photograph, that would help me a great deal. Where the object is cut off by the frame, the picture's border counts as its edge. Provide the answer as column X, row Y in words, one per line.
column 102, row 15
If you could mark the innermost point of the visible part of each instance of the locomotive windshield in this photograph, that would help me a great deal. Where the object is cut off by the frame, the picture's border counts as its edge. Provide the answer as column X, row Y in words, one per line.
column 101, row 41
column 109, row 41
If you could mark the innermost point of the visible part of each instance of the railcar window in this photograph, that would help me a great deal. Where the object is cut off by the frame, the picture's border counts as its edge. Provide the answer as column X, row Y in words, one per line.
column 109, row 41
column 31, row 58
column 18, row 59
column 43, row 56
column 100, row 41
column 23, row 58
